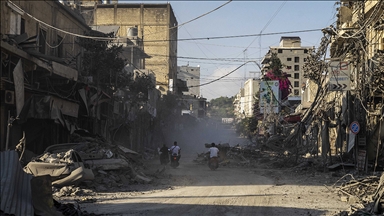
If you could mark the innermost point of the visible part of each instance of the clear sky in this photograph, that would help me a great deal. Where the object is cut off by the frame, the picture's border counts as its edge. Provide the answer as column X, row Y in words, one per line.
column 242, row 18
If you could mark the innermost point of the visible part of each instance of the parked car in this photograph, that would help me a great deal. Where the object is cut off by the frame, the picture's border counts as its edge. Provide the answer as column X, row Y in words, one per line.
column 63, row 163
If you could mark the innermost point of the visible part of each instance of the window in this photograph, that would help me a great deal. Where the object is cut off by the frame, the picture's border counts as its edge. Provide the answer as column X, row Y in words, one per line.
column 297, row 59
column 297, row 76
column 289, row 59
column 297, row 67
column 15, row 19
column 296, row 92
column 296, row 84
column 22, row 26
column 280, row 51
column 60, row 47
column 305, row 51
column 289, row 67
column 42, row 37
column 305, row 59
column 15, row 23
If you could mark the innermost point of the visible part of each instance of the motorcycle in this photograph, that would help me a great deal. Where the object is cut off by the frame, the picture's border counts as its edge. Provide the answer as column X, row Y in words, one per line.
column 174, row 161
column 213, row 163
column 164, row 159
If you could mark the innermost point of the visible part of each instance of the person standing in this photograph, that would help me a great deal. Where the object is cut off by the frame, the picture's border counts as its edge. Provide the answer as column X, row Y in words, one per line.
column 175, row 150
column 213, row 151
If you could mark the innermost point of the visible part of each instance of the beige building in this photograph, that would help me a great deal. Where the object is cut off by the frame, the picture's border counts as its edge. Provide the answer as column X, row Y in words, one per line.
column 191, row 75
column 292, row 56
column 154, row 24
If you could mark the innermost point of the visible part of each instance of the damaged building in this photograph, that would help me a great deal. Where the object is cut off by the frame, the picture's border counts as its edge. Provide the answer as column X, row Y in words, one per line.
column 49, row 90
column 346, row 115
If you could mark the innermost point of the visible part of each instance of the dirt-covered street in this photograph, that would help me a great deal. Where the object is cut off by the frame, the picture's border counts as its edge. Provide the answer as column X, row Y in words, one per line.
column 193, row 189
column 264, row 186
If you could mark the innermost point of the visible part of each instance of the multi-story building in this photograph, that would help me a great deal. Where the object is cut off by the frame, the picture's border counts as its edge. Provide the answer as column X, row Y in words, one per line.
column 358, row 42
column 239, row 104
column 40, row 61
column 192, row 76
column 251, row 87
column 154, row 24
column 292, row 56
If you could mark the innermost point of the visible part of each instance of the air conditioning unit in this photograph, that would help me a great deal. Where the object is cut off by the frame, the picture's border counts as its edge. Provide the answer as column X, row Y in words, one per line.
column 9, row 97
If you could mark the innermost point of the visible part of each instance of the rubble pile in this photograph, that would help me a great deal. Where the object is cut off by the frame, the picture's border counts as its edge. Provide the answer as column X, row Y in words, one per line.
column 365, row 195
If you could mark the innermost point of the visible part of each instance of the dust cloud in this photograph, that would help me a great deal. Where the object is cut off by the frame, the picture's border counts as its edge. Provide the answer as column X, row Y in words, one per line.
column 191, row 134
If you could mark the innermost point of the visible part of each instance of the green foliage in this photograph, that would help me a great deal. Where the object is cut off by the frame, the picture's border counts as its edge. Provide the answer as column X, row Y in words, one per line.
column 247, row 126
column 139, row 87
column 276, row 65
column 102, row 61
column 221, row 107
column 168, row 106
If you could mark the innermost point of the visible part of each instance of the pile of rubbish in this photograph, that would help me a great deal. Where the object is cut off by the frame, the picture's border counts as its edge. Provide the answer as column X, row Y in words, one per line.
column 365, row 195
column 82, row 168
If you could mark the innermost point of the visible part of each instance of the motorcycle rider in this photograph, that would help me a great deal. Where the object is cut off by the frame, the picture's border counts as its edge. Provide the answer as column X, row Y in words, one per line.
column 213, row 152
column 164, row 157
column 175, row 151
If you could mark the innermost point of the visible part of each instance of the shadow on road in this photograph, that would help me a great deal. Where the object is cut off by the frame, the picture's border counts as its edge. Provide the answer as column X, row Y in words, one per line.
column 198, row 210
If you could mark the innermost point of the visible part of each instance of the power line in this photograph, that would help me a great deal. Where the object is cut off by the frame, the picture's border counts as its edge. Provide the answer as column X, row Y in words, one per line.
column 192, row 19
column 237, row 36
column 186, row 39
column 225, row 74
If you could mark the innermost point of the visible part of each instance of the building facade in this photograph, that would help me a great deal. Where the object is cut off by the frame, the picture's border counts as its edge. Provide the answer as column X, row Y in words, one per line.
column 251, row 88
column 192, row 76
column 39, row 72
column 154, row 24
column 292, row 56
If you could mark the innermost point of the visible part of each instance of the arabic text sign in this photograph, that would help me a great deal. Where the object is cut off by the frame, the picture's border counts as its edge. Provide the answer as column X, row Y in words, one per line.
column 339, row 76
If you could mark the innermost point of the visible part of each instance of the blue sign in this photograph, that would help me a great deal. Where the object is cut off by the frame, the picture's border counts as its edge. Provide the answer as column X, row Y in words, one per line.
column 355, row 127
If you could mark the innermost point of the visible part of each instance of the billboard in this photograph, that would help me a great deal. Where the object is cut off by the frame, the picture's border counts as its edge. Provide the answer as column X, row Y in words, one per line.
column 269, row 100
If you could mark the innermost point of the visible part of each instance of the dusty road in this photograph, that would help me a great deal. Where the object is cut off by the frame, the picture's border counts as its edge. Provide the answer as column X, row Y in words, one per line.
column 226, row 191
column 193, row 189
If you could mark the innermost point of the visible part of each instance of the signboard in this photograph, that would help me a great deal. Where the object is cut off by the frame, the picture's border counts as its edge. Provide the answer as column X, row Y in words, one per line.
column 269, row 96
column 339, row 76
column 355, row 127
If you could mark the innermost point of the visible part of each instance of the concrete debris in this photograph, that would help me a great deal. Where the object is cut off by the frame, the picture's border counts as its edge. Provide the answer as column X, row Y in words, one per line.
column 365, row 195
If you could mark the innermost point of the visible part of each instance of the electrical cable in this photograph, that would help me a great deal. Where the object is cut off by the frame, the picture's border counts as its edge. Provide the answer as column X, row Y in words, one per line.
column 192, row 19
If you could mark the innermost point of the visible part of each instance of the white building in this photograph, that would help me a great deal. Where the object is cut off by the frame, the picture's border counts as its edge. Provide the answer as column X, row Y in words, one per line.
column 192, row 76
column 251, row 87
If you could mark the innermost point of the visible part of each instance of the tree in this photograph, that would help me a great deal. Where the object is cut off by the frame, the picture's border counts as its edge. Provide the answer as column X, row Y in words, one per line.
column 221, row 107
column 102, row 61
column 276, row 65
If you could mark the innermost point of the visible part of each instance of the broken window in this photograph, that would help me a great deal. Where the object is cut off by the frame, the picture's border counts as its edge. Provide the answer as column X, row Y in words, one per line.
column 42, row 40
column 15, row 23
column 22, row 26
